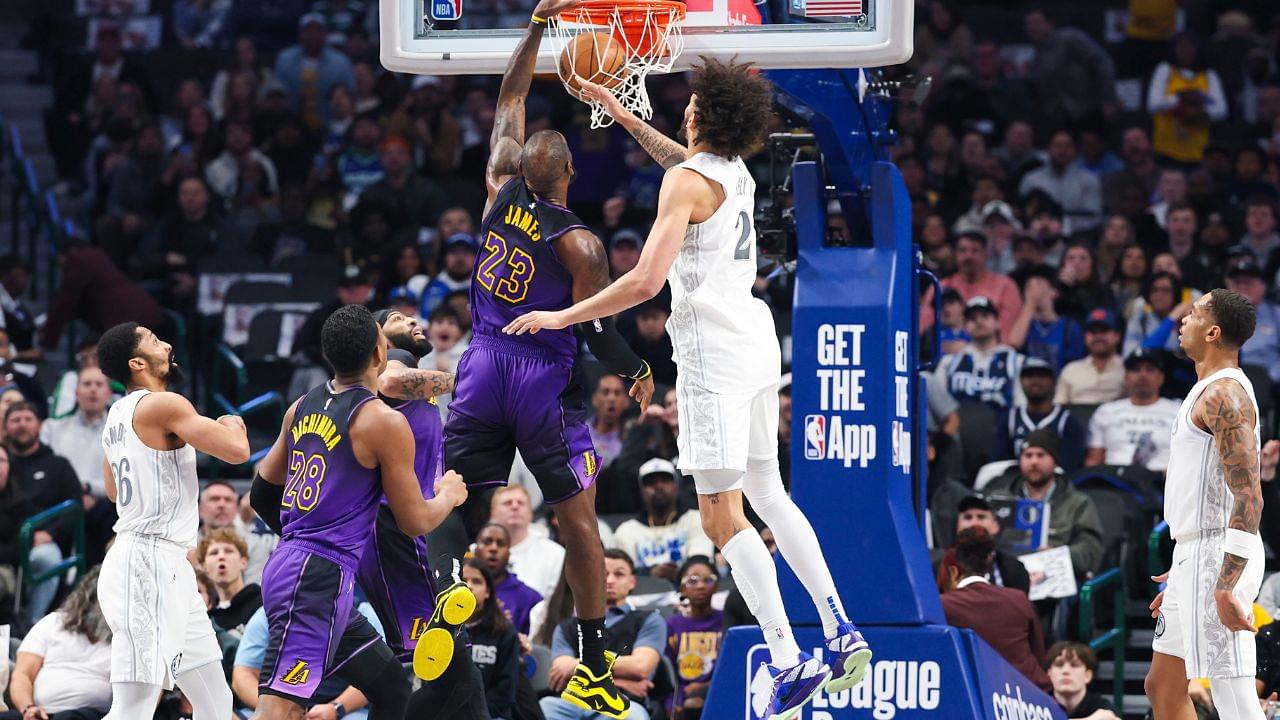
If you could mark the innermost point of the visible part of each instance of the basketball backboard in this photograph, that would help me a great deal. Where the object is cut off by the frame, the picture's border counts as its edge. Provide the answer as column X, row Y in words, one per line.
column 465, row 37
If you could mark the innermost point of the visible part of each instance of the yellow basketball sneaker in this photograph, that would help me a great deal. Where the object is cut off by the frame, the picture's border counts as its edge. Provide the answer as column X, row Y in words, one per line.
column 597, row 693
column 454, row 606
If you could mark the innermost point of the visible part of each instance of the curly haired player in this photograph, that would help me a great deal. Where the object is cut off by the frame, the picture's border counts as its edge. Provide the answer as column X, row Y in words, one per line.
column 726, row 349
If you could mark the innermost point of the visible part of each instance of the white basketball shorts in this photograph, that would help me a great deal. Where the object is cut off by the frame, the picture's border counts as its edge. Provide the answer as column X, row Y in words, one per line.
column 726, row 431
column 159, row 624
column 1188, row 625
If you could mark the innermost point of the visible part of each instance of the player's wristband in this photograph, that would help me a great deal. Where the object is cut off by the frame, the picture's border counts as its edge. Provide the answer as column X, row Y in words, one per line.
column 1240, row 543
column 645, row 371
column 537, row 20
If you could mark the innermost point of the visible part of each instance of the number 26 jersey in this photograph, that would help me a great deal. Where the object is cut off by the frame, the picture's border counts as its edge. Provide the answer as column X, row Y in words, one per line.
column 157, row 492
column 330, row 499
column 517, row 270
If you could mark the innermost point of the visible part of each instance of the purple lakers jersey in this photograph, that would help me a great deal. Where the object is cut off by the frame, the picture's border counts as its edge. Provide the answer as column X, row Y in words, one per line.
column 517, row 270
column 428, row 438
column 330, row 499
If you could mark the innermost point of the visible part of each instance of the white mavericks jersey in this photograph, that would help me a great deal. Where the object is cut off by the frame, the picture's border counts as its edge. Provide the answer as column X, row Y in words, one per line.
column 1196, row 497
column 157, row 492
column 723, row 336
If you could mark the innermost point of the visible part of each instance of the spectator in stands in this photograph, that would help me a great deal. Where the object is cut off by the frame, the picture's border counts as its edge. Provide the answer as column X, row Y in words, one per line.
column 985, row 370
column 19, row 322
column 986, row 190
column 226, row 174
column 410, row 200
column 1070, row 666
column 493, row 548
column 1129, row 278
column 1249, row 178
column 333, row 699
column 220, row 509
column 1082, row 286
column 244, row 59
column 638, row 637
column 1117, row 235
column 1040, row 330
column 1077, row 190
column 202, row 23
column 1098, row 377
column 1018, row 153
column 1136, row 429
column 63, row 668
column 259, row 537
column 459, row 256
column 94, row 291
column 1001, row 616
column 1153, row 325
column 309, row 70
column 78, row 437
column 652, row 435
column 135, row 191
column 187, row 236
column 424, row 119
column 661, row 537
column 1263, row 349
column 1260, row 237
column 217, row 508
column 694, row 635
column 15, row 508
column 290, row 233
column 1073, row 77
column 650, row 339
column 973, row 279
column 1073, row 518
column 360, row 165
column 1171, row 189
column 952, row 336
column 47, row 479
column 1140, row 170
column 495, row 647
column 1184, row 98
column 536, row 558
column 624, row 251
column 1006, row 570
column 224, row 556
column 445, row 332
column 62, row 399
column 608, row 401
column 1039, row 410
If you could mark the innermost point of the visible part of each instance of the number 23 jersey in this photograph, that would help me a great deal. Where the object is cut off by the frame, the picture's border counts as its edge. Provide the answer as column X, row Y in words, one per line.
column 157, row 492
column 723, row 336
column 330, row 499
column 517, row 270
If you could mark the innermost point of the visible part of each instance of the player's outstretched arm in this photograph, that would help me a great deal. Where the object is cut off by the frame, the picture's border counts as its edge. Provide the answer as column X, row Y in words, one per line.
column 680, row 189
column 666, row 152
column 225, row 438
column 267, row 492
column 402, row 382
column 583, row 255
column 1226, row 411
column 386, row 433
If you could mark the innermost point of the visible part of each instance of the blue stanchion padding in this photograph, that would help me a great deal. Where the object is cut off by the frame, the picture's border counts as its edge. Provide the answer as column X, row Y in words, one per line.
column 927, row 672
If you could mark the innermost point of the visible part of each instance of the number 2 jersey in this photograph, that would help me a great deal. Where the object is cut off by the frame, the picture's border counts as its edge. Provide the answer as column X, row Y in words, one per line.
column 157, row 492
column 723, row 336
column 517, row 270
column 330, row 499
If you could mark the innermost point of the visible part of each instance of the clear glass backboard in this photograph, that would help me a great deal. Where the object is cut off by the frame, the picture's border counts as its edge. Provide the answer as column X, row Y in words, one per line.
column 465, row 37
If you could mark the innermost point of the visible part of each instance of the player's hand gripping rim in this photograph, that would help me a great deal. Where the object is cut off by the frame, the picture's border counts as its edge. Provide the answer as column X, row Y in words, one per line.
column 548, row 9
column 537, row 320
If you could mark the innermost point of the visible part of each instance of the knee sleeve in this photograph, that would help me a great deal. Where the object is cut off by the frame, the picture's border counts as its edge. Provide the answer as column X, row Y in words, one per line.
column 1236, row 698
column 206, row 688
column 133, row 700
column 385, row 683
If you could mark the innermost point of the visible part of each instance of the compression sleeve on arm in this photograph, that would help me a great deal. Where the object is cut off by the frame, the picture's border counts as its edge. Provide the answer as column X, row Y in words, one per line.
column 265, row 500
column 607, row 345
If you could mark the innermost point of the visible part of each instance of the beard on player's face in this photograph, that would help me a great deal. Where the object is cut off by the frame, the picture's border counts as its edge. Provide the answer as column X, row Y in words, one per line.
column 171, row 373
column 412, row 342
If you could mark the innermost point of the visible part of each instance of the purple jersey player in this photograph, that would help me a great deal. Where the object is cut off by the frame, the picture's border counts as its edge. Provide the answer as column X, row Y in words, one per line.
column 524, row 393
column 340, row 449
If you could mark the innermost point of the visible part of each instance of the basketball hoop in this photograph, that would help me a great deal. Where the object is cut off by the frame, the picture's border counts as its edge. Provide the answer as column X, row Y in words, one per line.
column 646, row 32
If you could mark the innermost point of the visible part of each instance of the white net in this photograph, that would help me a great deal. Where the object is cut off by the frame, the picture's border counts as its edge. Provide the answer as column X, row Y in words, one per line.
column 626, row 41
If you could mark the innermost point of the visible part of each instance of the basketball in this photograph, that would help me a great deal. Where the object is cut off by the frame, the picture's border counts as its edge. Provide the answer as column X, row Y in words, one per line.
column 594, row 56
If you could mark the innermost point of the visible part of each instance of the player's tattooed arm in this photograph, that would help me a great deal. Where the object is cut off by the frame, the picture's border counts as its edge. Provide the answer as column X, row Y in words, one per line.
column 666, row 152
column 405, row 383
column 1226, row 411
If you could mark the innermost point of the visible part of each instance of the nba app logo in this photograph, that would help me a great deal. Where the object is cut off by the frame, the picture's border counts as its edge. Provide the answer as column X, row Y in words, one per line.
column 446, row 9
column 815, row 437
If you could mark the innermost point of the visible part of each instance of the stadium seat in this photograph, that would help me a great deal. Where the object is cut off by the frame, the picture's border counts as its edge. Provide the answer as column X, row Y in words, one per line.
column 977, row 441
column 1083, row 413
column 541, row 657
column 1127, row 504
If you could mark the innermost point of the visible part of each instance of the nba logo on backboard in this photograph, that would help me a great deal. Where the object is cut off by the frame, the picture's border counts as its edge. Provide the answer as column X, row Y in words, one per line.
column 815, row 437
column 446, row 9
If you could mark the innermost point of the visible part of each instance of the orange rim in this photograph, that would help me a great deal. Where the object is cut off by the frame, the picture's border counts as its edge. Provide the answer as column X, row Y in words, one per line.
column 630, row 21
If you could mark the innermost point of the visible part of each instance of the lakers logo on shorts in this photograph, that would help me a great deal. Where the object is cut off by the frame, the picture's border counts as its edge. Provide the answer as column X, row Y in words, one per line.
column 416, row 628
column 589, row 463
column 297, row 674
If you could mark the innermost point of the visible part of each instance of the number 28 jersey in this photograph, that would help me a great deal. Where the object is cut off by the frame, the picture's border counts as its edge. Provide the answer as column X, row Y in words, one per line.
column 157, row 492
column 330, row 499
column 517, row 270
column 723, row 336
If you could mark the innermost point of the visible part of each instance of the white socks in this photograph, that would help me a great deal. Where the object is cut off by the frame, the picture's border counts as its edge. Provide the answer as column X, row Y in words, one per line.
column 1236, row 698
column 757, row 580
column 762, row 486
